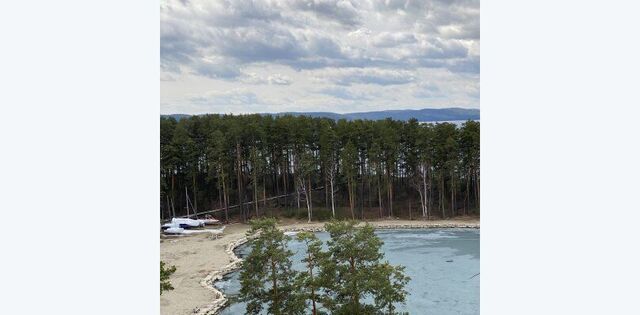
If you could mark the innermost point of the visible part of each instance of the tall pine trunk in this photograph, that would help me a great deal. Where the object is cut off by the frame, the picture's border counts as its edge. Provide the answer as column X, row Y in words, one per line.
column 298, row 195
column 226, row 201
column 424, row 184
column 274, row 288
column 380, row 200
column 255, row 192
column 285, row 181
column 264, row 195
column 326, row 188
column 442, row 195
column 310, row 200
column 173, row 192
column 453, row 194
column 333, row 204
column 173, row 208
column 350, row 189
column 466, row 197
column 422, row 205
column 391, row 198
column 477, row 177
column 195, row 196
column 240, row 184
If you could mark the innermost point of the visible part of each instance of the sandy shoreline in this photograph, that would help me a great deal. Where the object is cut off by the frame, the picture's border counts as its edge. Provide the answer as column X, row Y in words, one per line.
column 199, row 260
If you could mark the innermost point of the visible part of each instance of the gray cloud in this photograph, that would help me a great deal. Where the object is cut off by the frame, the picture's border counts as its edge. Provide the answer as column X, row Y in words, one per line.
column 349, row 76
column 341, row 11
column 256, row 45
column 216, row 68
column 387, row 39
column 278, row 79
column 470, row 65
column 427, row 90
column 316, row 51
column 296, row 33
column 345, row 93
column 275, row 79
column 226, row 98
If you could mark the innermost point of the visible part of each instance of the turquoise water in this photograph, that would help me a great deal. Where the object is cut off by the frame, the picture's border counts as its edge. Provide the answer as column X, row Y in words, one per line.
column 443, row 265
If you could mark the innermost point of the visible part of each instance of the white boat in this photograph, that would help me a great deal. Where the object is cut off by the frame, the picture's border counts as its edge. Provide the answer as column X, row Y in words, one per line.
column 187, row 223
column 184, row 223
column 174, row 228
column 210, row 221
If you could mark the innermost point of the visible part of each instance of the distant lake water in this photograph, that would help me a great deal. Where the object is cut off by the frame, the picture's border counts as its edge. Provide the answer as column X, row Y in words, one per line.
column 458, row 123
column 443, row 265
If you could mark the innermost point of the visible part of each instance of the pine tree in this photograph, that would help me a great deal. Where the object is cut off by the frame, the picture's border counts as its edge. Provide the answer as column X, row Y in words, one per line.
column 309, row 281
column 226, row 161
column 328, row 159
column 350, row 169
column 267, row 276
column 165, row 273
column 353, row 271
column 389, row 287
column 305, row 170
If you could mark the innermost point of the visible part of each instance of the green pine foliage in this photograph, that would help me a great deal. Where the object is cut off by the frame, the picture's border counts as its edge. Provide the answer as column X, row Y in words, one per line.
column 337, row 280
column 389, row 287
column 309, row 283
column 354, row 271
column 267, row 278
column 255, row 165
column 165, row 274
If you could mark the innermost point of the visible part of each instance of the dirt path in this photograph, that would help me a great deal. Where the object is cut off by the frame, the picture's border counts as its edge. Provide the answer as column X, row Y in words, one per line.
column 197, row 256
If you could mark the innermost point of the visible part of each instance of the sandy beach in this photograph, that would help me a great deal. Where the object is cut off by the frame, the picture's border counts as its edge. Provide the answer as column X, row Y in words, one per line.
column 198, row 256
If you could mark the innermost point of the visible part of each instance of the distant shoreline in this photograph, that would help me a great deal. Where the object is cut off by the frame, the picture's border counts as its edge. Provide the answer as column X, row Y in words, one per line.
column 194, row 288
column 422, row 115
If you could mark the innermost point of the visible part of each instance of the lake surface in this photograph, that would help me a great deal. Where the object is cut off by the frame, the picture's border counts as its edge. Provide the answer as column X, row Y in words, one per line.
column 444, row 266
column 458, row 123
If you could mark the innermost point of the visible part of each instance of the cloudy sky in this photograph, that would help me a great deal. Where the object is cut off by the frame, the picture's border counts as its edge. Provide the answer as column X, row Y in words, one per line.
column 248, row 56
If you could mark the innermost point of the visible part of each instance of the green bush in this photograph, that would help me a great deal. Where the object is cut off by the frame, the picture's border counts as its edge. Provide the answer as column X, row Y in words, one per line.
column 165, row 273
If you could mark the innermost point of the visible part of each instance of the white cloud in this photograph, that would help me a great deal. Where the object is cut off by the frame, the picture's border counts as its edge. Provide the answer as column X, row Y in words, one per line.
column 276, row 78
column 349, row 76
column 317, row 54
column 224, row 98
column 347, row 94
column 387, row 39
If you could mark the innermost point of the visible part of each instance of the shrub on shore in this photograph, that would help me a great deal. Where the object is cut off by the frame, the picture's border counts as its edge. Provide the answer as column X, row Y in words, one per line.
column 165, row 273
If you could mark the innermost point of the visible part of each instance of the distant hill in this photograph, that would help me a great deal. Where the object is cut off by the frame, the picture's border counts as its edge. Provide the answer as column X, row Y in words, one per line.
column 424, row 115
column 177, row 116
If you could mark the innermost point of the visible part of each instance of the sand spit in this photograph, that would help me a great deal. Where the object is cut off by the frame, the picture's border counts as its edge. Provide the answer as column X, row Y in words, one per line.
column 201, row 260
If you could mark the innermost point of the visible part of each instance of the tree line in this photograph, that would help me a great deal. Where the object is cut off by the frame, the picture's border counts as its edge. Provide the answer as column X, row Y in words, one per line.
column 339, row 280
column 251, row 165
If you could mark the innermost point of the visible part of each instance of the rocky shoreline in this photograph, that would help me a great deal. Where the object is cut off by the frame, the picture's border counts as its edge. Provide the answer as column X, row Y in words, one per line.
column 220, row 299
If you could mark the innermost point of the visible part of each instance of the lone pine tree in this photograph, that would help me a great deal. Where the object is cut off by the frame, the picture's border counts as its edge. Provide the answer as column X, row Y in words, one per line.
column 309, row 282
column 267, row 277
column 354, row 271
